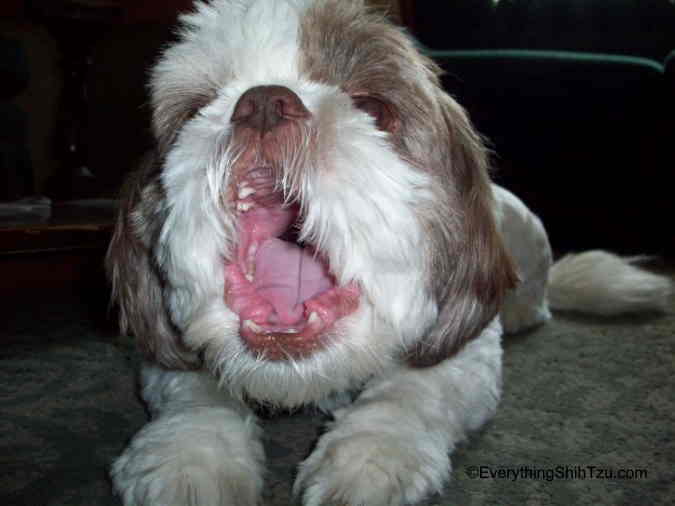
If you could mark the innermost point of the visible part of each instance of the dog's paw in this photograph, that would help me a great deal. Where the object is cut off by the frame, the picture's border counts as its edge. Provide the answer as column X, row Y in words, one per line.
column 170, row 464
column 520, row 316
column 368, row 468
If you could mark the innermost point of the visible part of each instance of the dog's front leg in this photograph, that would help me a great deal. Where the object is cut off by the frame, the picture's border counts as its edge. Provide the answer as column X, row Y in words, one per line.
column 391, row 446
column 202, row 448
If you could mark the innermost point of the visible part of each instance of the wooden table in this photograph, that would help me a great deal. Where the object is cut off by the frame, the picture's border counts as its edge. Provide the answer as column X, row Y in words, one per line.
column 63, row 253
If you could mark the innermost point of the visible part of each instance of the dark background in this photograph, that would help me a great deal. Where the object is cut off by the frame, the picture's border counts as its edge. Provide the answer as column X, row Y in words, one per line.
column 585, row 144
column 576, row 98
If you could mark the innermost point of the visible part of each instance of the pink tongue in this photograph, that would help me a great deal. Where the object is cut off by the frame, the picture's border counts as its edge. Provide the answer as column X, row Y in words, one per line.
column 287, row 275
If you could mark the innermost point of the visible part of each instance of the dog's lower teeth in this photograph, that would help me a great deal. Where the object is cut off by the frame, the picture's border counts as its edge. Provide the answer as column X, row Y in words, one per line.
column 314, row 318
column 244, row 206
column 286, row 331
column 250, row 262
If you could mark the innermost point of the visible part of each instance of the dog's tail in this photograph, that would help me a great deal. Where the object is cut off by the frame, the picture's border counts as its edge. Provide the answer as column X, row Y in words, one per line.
column 598, row 282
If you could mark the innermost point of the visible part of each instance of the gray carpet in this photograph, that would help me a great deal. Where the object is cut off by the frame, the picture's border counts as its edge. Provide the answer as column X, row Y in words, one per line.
column 578, row 392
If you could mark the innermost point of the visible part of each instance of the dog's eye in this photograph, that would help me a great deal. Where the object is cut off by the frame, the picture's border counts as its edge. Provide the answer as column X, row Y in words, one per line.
column 379, row 110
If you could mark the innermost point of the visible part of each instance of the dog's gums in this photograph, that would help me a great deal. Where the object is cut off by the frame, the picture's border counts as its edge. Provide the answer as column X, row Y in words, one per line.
column 283, row 291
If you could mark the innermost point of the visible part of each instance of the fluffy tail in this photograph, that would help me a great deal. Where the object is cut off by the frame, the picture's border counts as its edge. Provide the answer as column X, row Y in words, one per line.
column 599, row 282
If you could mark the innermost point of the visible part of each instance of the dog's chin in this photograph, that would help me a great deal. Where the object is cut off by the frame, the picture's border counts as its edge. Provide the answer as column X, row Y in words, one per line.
column 280, row 286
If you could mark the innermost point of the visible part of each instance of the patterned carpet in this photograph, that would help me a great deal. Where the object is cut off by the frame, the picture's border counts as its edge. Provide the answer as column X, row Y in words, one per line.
column 579, row 392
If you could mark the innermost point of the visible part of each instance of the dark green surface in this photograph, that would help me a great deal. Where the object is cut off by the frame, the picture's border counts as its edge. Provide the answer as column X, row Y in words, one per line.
column 577, row 392
column 571, row 132
column 638, row 27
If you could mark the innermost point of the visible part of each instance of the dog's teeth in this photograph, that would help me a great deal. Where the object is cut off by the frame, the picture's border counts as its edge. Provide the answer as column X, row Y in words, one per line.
column 250, row 262
column 314, row 318
column 244, row 206
column 252, row 326
column 245, row 191
column 289, row 330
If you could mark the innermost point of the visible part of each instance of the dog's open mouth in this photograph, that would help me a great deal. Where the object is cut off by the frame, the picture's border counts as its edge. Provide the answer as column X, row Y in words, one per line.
column 282, row 290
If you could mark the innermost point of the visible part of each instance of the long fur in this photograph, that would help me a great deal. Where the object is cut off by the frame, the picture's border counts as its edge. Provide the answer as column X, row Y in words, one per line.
column 401, row 207
column 600, row 282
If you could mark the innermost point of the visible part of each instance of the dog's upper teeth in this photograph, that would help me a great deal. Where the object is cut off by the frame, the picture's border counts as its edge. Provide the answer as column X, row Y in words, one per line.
column 245, row 191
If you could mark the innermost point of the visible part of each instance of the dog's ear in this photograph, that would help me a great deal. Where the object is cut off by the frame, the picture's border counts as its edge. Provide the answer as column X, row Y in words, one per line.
column 469, row 267
column 171, row 109
column 179, row 88
column 136, row 278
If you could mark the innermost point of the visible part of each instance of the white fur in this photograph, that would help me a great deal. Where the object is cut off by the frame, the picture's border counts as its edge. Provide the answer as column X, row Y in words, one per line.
column 593, row 282
column 391, row 445
column 202, row 448
column 525, row 238
column 361, row 200
column 602, row 283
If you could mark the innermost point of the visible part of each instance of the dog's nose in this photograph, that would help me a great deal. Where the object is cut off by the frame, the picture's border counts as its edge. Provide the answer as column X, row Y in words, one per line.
column 265, row 107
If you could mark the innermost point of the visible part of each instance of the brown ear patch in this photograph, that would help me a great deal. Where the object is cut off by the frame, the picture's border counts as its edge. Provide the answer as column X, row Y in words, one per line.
column 469, row 267
column 172, row 110
column 136, row 279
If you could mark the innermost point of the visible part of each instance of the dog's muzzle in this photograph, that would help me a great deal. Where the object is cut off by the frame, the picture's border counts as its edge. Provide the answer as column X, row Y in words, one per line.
column 282, row 289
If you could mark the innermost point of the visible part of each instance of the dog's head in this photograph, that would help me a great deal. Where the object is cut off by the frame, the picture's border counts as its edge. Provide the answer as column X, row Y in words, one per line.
column 317, row 208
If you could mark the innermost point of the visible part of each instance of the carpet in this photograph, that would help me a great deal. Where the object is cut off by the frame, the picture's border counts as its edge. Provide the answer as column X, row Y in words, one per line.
column 587, row 416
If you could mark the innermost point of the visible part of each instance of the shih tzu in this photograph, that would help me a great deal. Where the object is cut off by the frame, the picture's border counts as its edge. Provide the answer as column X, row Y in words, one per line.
column 317, row 221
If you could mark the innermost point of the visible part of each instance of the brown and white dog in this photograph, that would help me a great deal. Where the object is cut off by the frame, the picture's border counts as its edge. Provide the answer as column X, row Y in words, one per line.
column 317, row 219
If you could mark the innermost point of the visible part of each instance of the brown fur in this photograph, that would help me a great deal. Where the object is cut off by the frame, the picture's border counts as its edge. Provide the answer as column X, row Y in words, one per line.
column 469, row 269
column 136, row 278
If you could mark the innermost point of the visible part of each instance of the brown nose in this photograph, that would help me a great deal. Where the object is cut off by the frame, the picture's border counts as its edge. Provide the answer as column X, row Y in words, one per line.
column 266, row 107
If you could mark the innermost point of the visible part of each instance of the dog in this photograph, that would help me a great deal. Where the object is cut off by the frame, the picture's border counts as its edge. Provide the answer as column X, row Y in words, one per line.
column 317, row 225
